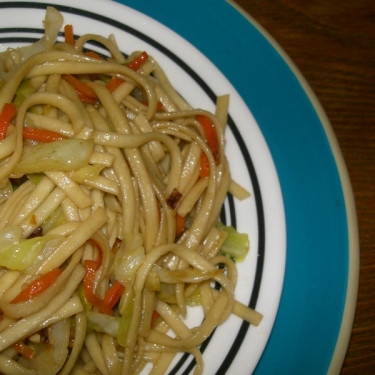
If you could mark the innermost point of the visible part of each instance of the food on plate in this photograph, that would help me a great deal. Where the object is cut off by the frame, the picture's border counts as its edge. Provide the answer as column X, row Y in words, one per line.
column 111, row 187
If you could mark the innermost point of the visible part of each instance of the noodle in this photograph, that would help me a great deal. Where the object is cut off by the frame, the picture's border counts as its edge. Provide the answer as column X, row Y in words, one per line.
column 111, row 187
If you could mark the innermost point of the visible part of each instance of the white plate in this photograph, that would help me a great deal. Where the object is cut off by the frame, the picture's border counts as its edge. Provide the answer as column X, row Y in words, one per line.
column 234, row 347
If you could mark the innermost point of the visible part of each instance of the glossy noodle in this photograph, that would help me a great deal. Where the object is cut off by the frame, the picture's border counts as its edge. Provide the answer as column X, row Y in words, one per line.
column 111, row 187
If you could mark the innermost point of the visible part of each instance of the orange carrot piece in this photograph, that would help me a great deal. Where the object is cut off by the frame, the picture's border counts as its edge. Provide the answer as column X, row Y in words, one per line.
column 155, row 317
column 211, row 137
column 99, row 257
column 94, row 55
column 138, row 61
column 113, row 83
column 24, row 350
column 83, row 90
column 69, row 36
column 7, row 113
column 91, row 266
column 86, row 99
column 41, row 135
column 38, row 286
column 204, row 166
column 113, row 294
column 159, row 105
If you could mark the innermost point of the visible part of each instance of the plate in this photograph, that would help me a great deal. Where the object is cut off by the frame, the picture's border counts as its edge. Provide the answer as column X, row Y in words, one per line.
column 283, row 149
column 234, row 347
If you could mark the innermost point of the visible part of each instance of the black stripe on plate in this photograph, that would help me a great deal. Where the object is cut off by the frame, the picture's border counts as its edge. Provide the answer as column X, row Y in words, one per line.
column 21, row 30
column 18, row 39
column 245, row 153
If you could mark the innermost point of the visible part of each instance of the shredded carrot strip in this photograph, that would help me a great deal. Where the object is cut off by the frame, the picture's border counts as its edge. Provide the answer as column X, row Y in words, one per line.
column 204, row 166
column 94, row 55
column 86, row 99
column 38, row 286
column 155, row 317
column 84, row 91
column 91, row 266
column 24, row 350
column 7, row 113
column 209, row 132
column 138, row 61
column 159, row 105
column 41, row 135
column 99, row 257
column 113, row 83
column 69, row 36
column 113, row 294
column 212, row 142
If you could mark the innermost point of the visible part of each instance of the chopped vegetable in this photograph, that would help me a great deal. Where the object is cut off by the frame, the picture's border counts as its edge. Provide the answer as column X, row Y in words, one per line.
column 113, row 294
column 125, row 321
column 65, row 155
column 159, row 105
column 180, row 224
column 38, row 286
column 69, row 36
column 35, row 178
column 10, row 236
column 41, row 135
column 113, row 83
column 88, row 172
column 210, row 134
column 82, row 296
column 94, row 55
column 204, row 170
column 103, row 323
column 212, row 142
column 155, row 317
column 21, row 255
column 84, row 91
column 86, row 99
column 24, row 350
column 56, row 218
column 91, row 266
column 236, row 245
column 24, row 90
column 138, row 61
column 7, row 113
column 52, row 23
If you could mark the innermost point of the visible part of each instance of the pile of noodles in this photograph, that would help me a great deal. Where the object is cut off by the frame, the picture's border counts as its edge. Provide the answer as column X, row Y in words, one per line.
column 103, row 205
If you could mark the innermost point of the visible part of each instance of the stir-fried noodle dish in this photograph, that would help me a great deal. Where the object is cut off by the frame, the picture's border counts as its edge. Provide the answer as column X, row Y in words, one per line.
column 111, row 187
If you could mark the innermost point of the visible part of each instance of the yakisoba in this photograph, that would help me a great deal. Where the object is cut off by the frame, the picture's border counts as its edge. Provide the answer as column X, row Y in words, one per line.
column 111, row 187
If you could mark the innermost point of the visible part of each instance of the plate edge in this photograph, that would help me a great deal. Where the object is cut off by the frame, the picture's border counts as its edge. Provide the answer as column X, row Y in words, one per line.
column 351, row 215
